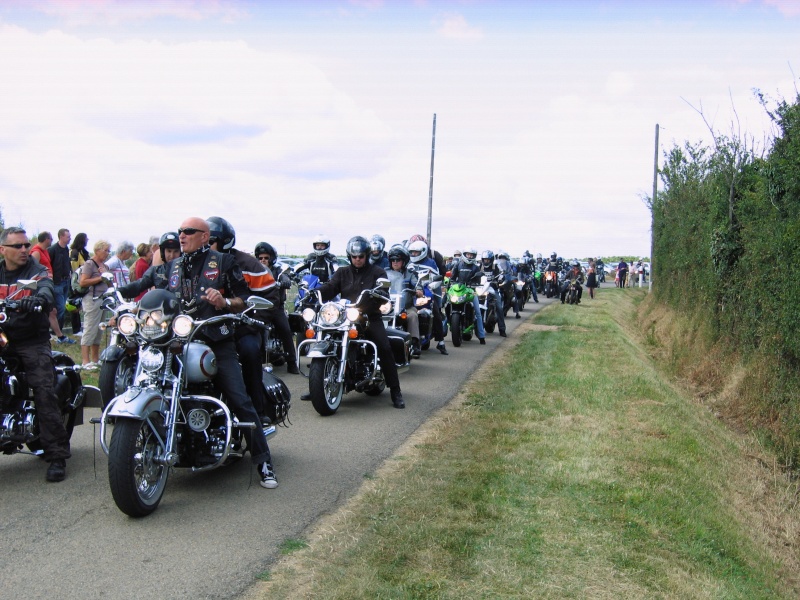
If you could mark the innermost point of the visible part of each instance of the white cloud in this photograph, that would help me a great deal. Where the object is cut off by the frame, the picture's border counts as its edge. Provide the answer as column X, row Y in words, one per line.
column 618, row 83
column 455, row 26
column 115, row 12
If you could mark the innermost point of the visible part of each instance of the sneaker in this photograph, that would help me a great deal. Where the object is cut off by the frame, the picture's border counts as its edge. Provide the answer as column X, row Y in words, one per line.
column 441, row 348
column 57, row 470
column 90, row 366
column 79, row 334
column 65, row 340
column 267, row 476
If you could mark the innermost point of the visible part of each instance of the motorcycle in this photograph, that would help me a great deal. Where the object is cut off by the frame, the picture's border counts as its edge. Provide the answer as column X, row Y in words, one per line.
column 305, row 298
column 19, row 421
column 488, row 303
column 573, row 291
column 550, row 284
column 522, row 291
column 170, row 414
column 461, row 312
column 342, row 359
column 118, row 360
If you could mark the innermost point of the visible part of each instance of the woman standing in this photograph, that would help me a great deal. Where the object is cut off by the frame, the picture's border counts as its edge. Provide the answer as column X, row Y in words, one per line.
column 92, row 277
column 78, row 255
column 145, row 252
column 591, row 277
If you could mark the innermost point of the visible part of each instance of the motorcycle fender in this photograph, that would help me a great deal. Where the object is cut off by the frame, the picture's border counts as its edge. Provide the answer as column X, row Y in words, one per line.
column 112, row 354
column 137, row 403
column 321, row 349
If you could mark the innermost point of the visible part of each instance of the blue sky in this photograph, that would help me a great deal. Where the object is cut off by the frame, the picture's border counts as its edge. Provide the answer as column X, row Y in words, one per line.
column 292, row 119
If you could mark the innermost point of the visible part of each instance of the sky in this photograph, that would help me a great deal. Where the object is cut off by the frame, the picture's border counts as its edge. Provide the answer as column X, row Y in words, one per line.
column 292, row 119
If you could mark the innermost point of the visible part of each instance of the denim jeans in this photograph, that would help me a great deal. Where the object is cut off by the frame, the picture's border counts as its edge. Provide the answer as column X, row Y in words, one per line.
column 61, row 291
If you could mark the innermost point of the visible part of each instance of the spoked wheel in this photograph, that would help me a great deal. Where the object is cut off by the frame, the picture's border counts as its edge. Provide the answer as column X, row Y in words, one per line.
column 455, row 328
column 116, row 377
column 137, row 480
column 326, row 392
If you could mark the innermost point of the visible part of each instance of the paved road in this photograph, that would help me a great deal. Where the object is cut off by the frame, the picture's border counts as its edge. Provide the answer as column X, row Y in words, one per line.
column 213, row 532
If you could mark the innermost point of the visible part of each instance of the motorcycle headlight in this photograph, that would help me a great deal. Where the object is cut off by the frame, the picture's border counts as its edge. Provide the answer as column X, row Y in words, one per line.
column 330, row 314
column 353, row 313
column 151, row 359
column 309, row 314
column 182, row 325
column 127, row 324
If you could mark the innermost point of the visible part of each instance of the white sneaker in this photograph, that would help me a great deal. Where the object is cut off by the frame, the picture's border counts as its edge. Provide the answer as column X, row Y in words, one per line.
column 90, row 366
column 79, row 334
column 267, row 476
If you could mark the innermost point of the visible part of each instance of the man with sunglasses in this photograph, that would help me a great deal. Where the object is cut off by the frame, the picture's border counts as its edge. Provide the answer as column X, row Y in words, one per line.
column 350, row 281
column 28, row 332
column 208, row 283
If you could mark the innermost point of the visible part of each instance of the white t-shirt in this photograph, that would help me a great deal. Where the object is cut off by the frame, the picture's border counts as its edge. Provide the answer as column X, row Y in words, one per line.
column 120, row 271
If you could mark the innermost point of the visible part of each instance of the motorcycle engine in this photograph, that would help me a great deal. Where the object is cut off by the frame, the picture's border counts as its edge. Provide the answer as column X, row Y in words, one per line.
column 19, row 427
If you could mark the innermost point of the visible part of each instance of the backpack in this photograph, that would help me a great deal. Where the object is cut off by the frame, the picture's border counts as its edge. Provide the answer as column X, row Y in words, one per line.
column 75, row 279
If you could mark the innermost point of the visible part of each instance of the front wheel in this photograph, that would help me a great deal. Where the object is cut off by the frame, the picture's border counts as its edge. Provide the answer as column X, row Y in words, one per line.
column 136, row 477
column 455, row 328
column 116, row 377
column 326, row 392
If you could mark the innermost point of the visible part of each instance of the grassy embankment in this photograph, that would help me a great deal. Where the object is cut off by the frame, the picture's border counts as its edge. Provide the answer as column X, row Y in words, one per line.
column 570, row 468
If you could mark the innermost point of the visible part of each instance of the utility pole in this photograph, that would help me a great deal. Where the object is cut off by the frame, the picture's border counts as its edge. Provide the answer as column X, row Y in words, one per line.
column 652, row 211
column 430, row 187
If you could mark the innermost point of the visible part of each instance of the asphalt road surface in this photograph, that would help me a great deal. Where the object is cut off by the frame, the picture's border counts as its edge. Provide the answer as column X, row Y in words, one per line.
column 213, row 532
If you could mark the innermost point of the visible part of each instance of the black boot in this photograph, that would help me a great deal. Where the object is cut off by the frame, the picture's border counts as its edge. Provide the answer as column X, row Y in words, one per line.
column 291, row 367
column 306, row 396
column 397, row 398
column 57, row 470
column 503, row 333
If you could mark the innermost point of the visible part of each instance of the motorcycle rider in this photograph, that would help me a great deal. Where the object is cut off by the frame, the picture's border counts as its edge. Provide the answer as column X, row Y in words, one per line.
column 208, row 282
column 495, row 275
column 376, row 254
column 350, row 281
column 277, row 315
column 525, row 271
column 421, row 256
column 28, row 333
column 453, row 261
column 468, row 272
column 503, row 262
column 575, row 275
column 405, row 282
column 156, row 275
column 320, row 262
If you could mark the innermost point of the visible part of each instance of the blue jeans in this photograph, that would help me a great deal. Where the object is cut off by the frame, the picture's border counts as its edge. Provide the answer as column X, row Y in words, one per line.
column 476, row 303
column 61, row 291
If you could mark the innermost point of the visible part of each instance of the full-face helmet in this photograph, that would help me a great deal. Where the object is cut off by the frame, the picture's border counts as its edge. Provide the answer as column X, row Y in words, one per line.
column 321, row 245
column 503, row 254
column 398, row 252
column 418, row 250
column 487, row 258
column 357, row 245
column 574, row 264
column 553, row 256
column 219, row 230
column 469, row 255
column 376, row 245
column 168, row 240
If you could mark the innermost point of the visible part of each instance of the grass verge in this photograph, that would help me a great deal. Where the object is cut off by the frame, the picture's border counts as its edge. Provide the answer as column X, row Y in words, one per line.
column 571, row 467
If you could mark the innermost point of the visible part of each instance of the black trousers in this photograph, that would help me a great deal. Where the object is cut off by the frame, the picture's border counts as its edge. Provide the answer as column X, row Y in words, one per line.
column 376, row 333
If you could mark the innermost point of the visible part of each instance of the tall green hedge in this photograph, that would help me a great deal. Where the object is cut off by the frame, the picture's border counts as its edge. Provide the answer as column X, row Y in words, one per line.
column 738, row 270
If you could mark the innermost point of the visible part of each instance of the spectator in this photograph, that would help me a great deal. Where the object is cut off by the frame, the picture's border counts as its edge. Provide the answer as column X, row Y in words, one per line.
column 40, row 254
column 116, row 264
column 62, row 271
column 622, row 273
column 145, row 252
column 78, row 255
column 91, row 277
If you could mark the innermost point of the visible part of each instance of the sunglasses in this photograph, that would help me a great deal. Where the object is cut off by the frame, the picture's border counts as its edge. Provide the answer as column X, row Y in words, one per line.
column 26, row 245
column 188, row 231
column 359, row 256
column 263, row 258
column 396, row 260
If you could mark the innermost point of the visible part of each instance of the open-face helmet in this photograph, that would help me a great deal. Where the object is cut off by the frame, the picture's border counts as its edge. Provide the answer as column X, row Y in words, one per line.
column 321, row 240
column 418, row 250
column 219, row 230
column 357, row 245
column 398, row 252
column 376, row 245
column 263, row 248
column 168, row 240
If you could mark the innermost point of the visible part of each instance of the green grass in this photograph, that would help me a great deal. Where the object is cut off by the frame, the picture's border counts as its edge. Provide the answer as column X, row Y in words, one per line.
column 573, row 469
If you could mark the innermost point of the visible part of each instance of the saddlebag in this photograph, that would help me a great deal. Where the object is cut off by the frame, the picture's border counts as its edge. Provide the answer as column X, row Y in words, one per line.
column 400, row 341
column 278, row 398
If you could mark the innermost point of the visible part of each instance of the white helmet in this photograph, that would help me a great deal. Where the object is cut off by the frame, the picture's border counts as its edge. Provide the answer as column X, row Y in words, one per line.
column 321, row 239
column 418, row 251
column 469, row 255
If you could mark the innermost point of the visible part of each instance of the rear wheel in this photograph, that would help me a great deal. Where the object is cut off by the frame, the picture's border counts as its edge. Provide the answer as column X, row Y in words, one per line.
column 136, row 476
column 455, row 328
column 326, row 392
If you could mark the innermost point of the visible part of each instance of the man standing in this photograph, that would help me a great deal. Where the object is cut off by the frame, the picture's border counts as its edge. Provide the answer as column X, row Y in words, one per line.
column 209, row 282
column 62, row 270
column 116, row 264
column 28, row 332
column 40, row 254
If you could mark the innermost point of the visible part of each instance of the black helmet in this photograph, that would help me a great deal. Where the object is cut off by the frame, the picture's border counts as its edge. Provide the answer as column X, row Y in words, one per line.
column 357, row 245
column 553, row 256
column 219, row 230
column 399, row 252
column 168, row 240
column 265, row 248
column 376, row 245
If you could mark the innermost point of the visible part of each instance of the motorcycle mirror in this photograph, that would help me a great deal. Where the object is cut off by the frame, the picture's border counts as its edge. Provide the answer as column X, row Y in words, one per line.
column 27, row 284
column 383, row 283
column 259, row 302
